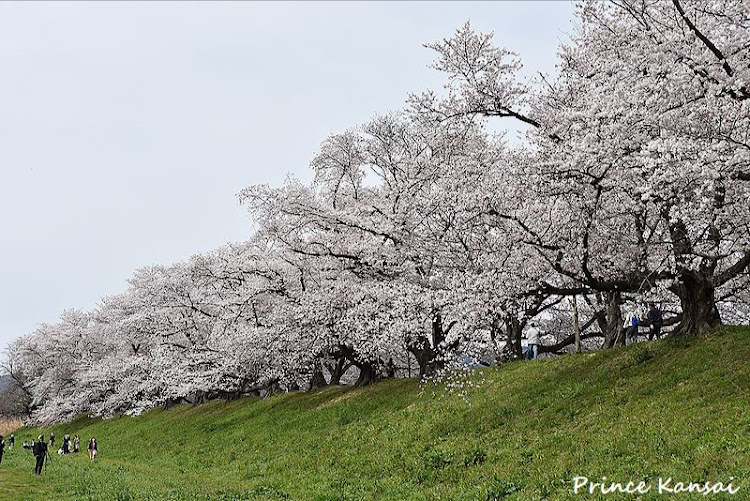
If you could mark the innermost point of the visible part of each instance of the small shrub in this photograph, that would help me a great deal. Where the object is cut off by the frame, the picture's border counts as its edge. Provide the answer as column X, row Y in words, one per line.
column 527, row 457
column 637, row 355
column 438, row 459
column 475, row 458
column 270, row 492
column 500, row 489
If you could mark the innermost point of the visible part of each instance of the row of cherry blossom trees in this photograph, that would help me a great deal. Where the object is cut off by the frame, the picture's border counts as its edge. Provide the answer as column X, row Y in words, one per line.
column 425, row 238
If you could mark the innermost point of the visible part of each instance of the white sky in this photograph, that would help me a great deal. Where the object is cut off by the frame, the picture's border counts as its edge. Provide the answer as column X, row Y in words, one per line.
column 127, row 129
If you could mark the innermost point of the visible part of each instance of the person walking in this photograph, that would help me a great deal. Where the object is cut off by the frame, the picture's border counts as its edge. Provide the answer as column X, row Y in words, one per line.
column 40, row 453
column 92, row 448
column 631, row 326
column 532, row 337
column 655, row 321
column 76, row 444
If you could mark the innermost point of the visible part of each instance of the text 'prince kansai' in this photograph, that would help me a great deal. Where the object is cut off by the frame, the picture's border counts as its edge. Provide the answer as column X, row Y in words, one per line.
column 665, row 486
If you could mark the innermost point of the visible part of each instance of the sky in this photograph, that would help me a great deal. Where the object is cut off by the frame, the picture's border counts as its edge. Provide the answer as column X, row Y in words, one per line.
column 128, row 128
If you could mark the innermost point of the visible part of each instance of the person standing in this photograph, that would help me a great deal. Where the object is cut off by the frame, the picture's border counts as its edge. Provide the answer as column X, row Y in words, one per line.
column 76, row 444
column 532, row 337
column 655, row 321
column 631, row 325
column 52, row 440
column 92, row 448
column 40, row 453
column 66, row 444
column 2, row 448
column 11, row 442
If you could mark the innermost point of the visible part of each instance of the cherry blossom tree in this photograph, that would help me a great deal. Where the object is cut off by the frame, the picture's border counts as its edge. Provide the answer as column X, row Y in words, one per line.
column 636, row 159
column 380, row 206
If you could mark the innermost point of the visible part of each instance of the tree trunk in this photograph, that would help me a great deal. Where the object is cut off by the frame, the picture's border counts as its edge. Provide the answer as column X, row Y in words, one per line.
column 367, row 375
column 496, row 332
column 514, row 330
column 576, row 324
column 337, row 370
column 424, row 354
column 273, row 388
column 368, row 370
column 429, row 355
column 317, row 380
column 699, row 311
column 390, row 369
column 611, row 324
column 555, row 348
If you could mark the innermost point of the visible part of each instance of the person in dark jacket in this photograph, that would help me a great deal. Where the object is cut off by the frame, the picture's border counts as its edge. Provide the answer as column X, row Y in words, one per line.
column 92, row 448
column 2, row 448
column 40, row 453
column 66, row 444
column 655, row 321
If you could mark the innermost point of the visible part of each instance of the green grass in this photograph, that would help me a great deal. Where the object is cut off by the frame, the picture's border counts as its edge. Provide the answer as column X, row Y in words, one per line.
column 678, row 408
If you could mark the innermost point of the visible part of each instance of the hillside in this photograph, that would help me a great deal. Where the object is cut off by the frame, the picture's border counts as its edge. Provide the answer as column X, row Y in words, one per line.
column 676, row 408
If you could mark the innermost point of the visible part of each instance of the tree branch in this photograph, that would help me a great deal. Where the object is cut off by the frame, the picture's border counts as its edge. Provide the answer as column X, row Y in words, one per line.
column 703, row 38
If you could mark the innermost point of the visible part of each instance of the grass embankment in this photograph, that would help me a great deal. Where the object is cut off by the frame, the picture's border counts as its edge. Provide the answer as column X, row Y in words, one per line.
column 675, row 408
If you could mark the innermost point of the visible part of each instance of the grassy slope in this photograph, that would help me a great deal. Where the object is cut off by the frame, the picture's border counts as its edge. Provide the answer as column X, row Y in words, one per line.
column 672, row 408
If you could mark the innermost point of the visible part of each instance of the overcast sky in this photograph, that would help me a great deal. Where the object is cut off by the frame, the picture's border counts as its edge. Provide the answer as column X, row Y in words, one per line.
column 127, row 129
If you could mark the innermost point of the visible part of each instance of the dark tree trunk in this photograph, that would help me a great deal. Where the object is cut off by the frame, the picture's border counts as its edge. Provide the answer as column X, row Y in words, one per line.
column 429, row 355
column 611, row 323
column 699, row 311
column 274, row 388
column 173, row 402
column 512, row 350
column 390, row 369
column 317, row 380
column 695, row 288
column 495, row 334
column 368, row 374
column 514, row 331
column 424, row 355
column 337, row 370
column 555, row 348
column 576, row 324
column 368, row 370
